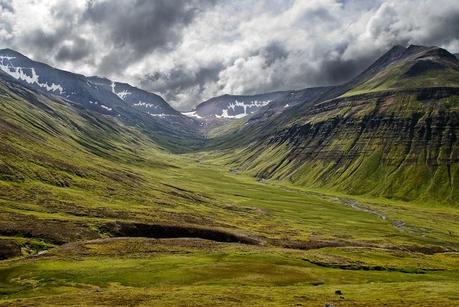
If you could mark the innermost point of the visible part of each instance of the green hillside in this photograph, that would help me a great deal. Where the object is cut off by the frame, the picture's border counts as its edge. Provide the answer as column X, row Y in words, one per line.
column 393, row 133
column 419, row 67
column 94, row 211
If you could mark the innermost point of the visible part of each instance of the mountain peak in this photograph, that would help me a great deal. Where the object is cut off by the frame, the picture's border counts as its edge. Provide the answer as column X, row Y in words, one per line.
column 427, row 51
column 439, row 52
column 393, row 54
column 396, row 49
column 417, row 47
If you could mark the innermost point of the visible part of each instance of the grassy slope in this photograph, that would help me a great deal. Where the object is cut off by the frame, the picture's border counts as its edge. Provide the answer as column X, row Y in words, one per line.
column 201, row 273
column 429, row 67
column 66, row 172
column 401, row 145
column 390, row 163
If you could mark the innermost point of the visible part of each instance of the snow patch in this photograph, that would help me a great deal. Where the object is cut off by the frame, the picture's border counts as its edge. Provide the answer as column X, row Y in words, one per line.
column 122, row 95
column 287, row 105
column 144, row 104
column 19, row 74
column 162, row 115
column 105, row 107
column 225, row 115
column 236, row 103
column 192, row 114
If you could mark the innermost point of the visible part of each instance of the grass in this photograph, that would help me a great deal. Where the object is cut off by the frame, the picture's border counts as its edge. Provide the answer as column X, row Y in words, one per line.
column 145, row 271
column 65, row 174
column 179, row 272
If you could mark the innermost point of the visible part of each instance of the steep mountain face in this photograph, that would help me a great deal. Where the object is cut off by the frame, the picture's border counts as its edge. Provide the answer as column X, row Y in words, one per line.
column 392, row 131
column 233, row 106
column 94, row 93
column 49, row 139
column 136, row 98
column 128, row 103
column 416, row 67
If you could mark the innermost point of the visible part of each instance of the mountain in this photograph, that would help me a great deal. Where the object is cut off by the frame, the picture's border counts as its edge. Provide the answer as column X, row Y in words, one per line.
column 93, row 211
column 130, row 104
column 392, row 131
column 233, row 106
column 394, row 122
column 97, row 208
column 95, row 93
column 293, row 98
column 415, row 67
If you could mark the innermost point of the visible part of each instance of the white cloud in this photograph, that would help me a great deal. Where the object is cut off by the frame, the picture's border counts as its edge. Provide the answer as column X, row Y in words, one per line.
column 226, row 46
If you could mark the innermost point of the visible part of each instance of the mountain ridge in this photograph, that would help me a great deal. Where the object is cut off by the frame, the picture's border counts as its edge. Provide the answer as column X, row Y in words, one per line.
column 320, row 136
column 364, row 137
column 132, row 105
column 230, row 106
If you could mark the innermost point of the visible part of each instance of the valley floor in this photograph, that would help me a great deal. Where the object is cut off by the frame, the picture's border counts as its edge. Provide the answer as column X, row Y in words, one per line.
column 248, row 243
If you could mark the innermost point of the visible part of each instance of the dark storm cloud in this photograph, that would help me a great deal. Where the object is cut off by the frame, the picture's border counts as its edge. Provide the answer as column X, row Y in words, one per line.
column 143, row 25
column 43, row 41
column 337, row 71
column 180, row 80
column 185, row 80
column 273, row 52
column 191, row 50
column 59, row 42
column 77, row 50
column 443, row 30
column 124, row 31
column 6, row 5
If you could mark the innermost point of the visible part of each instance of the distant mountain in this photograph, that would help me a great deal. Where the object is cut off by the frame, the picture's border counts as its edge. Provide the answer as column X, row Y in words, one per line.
column 392, row 131
column 233, row 106
column 413, row 67
column 131, row 104
column 290, row 100
column 95, row 93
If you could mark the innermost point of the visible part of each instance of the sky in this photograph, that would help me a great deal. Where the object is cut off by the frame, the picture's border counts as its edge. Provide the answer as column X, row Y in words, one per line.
column 191, row 50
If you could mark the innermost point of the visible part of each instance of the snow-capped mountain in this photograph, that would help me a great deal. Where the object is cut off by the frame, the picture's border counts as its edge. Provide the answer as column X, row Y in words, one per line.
column 233, row 106
column 99, row 94
column 133, row 106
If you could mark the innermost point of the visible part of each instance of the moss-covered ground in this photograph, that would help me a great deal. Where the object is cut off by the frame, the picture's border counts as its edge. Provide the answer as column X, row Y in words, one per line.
column 67, row 174
column 312, row 244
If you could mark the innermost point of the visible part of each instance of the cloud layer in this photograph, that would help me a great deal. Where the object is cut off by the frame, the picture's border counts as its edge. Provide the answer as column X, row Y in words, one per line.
column 191, row 50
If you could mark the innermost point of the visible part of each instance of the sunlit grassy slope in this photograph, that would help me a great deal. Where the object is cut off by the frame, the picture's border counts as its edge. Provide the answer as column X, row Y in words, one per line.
column 70, row 180
column 201, row 273
column 391, row 132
